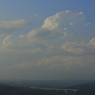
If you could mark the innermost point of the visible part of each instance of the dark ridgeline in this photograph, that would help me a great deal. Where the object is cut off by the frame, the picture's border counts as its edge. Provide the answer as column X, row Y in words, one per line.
column 83, row 89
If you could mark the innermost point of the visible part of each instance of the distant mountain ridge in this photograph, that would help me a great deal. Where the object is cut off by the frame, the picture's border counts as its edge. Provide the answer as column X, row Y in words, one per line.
column 46, row 83
column 81, row 89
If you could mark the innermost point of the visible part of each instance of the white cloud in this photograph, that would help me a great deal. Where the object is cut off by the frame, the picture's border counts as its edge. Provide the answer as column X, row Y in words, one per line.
column 66, row 62
column 92, row 41
column 13, row 24
column 79, row 47
column 75, row 47
column 56, row 31
column 63, row 19
column 61, row 43
column 50, row 23
column 58, row 26
column 7, row 40
column 10, row 26
column 87, row 24
column 58, row 62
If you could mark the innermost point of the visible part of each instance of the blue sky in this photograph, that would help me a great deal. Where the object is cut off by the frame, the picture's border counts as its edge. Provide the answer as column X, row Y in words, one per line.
column 47, row 40
column 25, row 8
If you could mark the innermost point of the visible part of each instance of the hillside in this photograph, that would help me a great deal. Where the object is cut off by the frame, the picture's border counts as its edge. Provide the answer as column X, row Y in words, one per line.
column 84, row 89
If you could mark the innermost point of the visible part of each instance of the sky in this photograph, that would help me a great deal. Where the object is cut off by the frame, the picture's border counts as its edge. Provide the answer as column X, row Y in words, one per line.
column 47, row 39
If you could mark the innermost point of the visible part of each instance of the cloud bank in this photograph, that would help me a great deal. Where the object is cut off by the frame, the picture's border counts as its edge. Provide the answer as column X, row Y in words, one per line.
column 61, row 44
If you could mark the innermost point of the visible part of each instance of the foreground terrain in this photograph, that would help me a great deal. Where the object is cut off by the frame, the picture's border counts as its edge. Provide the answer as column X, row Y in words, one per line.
column 82, row 89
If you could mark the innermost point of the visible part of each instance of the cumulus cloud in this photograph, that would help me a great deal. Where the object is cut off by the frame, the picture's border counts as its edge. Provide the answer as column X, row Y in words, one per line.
column 63, row 19
column 56, row 30
column 61, row 26
column 61, row 43
column 79, row 47
column 60, row 30
column 10, row 26
column 7, row 40
column 59, row 62
column 73, row 47
column 67, row 62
